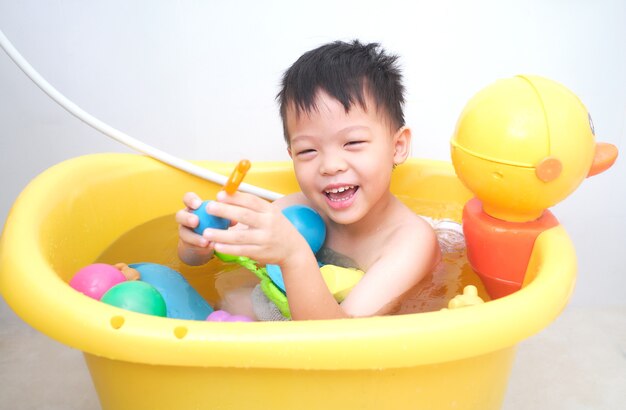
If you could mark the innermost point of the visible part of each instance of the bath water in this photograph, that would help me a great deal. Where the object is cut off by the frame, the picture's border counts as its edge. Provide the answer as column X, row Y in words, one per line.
column 156, row 241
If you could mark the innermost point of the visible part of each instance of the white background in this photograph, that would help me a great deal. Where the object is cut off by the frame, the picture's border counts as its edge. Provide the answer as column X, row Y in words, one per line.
column 198, row 79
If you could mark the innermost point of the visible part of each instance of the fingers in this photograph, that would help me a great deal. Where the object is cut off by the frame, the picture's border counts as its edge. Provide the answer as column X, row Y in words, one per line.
column 191, row 238
column 243, row 199
column 238, row 242
column 186, row 219
column 193, row 255
column 250, row 251
column 192, row 200
column 235, row 236
column 241, row 208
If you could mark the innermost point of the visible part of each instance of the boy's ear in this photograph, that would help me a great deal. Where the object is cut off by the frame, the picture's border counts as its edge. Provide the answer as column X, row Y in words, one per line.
column 402, row 145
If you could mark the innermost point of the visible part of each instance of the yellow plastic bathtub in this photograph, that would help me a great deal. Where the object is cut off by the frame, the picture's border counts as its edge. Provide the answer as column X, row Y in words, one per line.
column 458, row 359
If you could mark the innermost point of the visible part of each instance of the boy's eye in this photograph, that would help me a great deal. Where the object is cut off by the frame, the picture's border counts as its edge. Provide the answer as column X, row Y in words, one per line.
column 355, row 143
column 305, row 152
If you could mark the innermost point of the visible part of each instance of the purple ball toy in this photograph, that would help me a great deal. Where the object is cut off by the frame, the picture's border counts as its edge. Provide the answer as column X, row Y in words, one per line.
column 223, row 316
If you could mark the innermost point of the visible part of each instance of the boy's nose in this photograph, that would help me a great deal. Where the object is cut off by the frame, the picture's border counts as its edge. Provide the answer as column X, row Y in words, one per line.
column 332, row 164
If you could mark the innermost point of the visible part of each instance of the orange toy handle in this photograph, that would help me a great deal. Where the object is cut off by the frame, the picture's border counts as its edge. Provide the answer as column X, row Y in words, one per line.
column 237, row 176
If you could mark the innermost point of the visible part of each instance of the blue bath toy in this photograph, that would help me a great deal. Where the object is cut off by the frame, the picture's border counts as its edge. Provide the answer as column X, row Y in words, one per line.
column 275, row 274
column 310, row 225
column 208, row 221
column 182, row 300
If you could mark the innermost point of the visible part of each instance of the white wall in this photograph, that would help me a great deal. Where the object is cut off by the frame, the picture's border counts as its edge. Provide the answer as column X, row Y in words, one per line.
column 198, row 79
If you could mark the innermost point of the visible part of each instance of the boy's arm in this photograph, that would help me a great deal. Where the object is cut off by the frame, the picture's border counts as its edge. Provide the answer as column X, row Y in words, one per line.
column 308, row 294
column 309, row 297
column 411, row 252
column 409, row 255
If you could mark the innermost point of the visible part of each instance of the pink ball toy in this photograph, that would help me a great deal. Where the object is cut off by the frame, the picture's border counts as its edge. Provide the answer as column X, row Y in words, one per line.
column 94, row 280
column 223, row 316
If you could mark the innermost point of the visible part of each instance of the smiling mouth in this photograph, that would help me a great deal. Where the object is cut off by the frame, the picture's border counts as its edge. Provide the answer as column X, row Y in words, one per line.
column 340, row 194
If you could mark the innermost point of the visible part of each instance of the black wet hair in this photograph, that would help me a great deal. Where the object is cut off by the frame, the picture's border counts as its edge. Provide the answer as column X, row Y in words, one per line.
column 346, row 71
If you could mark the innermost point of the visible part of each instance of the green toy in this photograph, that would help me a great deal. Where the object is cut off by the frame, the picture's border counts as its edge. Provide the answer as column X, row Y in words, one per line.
column 338, row 279
column 268, row 287
column 137, row 296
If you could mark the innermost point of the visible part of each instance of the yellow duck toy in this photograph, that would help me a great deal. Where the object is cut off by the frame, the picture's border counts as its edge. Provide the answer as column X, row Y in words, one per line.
column 469, row 297
column 521, row 145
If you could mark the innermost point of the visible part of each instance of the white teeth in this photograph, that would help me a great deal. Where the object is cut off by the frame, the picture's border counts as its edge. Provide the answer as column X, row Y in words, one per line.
column 339, row 190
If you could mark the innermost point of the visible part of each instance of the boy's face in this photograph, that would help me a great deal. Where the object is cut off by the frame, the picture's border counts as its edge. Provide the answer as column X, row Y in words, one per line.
column 343, row 161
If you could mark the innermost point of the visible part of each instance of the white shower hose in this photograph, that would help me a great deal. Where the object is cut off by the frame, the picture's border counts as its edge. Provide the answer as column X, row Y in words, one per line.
column 118, row 135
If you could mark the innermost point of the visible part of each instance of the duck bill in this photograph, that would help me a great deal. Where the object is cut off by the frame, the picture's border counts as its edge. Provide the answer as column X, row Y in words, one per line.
column 603, row 159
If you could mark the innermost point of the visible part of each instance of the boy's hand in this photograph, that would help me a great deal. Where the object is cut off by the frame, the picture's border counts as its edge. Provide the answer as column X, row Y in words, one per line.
column 266, row 235
column 193, row 249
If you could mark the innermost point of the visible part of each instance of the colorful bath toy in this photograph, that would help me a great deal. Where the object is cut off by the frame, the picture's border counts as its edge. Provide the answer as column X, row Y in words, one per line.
column 223, row 316
column 310, row 225
column 136, row 296
column 237, row 176
column 521, row 145
column 276, row 275
column 181, row 299
column 269, row 288
column 95, row 279
column 469, row 297
column 128, row 272
column 206, row 220
column 340, row 280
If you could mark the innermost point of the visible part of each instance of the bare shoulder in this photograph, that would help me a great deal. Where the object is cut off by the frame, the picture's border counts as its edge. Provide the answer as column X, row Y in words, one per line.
column 414, row 235
column 411, row 220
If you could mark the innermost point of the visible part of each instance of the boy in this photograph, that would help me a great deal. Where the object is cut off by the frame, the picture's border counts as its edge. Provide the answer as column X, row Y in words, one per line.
column 342, row 111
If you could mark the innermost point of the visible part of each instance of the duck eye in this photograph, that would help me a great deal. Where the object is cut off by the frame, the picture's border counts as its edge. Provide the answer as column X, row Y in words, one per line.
column 593, row 131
